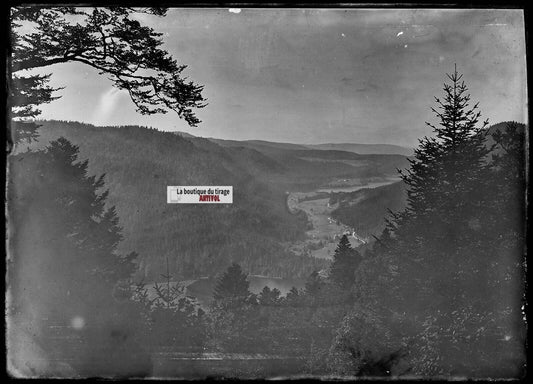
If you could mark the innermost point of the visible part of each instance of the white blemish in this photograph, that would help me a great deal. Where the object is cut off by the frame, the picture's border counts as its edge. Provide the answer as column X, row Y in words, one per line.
column 106, row 106
column 405, row 46
column 342, row 34
column 235, row 10
column 399, row 34
column 77, row 322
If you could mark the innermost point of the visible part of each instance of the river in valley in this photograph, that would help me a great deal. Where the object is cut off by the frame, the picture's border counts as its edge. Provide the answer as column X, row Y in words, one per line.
column 325, row 232
column 322, row 238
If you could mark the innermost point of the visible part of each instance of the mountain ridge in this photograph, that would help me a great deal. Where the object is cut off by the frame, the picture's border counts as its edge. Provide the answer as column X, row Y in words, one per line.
column 360, row 148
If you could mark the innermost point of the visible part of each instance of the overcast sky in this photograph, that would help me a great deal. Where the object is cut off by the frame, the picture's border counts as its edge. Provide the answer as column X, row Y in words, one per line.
column 315, row 76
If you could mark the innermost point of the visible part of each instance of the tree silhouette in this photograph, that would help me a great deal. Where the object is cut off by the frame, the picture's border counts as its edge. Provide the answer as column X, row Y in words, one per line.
column 314, row 285
column 269, row 296
column 448, row 190
column 507, row 278
column 345, row 262
column 167, row 294
column 293, row 297
column 429, row 277
column 443, row 178
column 110, row 40
column 232, row 284
column 65, row 267
column 509, row 162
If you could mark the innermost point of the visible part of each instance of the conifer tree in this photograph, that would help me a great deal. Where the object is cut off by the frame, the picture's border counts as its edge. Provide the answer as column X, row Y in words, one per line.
column 438, row 235
column 345, row 262
column 507, row 278
column 314, row 284
column 293, row 297
column 443, row 178
column 269, row 296
column 233, row 284
column 109, row 40
column 63, row 238
column 65, row 227
column 64, row 263
column 509, row 163
column 428, row 276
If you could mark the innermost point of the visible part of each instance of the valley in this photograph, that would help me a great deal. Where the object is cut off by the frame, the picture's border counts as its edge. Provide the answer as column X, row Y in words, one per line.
column 331, row 193
column 257, row 230
column 324, row 232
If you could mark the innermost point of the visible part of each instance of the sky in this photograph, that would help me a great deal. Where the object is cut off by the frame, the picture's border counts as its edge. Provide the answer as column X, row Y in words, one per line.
column 319, row 75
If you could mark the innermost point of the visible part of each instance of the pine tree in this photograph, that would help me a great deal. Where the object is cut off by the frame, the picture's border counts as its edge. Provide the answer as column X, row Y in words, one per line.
column 63, row 224
column 63, row 238
column 293, row 297
column 509, row 164
column 445, row 175
column 314, row 285
column 233, row 284
column 110, row 40
column 507, row 278
column 428, row 275
column 234, row 313
column 448, row 190
column 345, row 262
column 442, row 240
column 64, row 261
column 269, row 296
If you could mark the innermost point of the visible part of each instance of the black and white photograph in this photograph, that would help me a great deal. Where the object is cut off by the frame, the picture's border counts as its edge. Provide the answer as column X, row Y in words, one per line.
column 266, row 192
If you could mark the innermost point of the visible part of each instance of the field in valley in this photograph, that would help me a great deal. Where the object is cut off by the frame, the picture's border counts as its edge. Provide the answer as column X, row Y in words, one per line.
column 323, row 235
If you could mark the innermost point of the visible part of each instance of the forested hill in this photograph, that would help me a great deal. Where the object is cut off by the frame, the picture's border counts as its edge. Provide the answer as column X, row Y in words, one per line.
column 199, row 240
column 365, row 210
column 362, row 149
column 521, row 130
column 309, row 168
column 366, row 149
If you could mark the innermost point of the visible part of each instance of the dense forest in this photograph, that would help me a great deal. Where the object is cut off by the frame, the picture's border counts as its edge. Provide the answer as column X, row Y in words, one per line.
column 139, row 163
column 365, row 210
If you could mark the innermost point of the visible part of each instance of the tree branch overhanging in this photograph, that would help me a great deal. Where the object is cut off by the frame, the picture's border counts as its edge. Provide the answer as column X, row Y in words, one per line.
column 113, row 42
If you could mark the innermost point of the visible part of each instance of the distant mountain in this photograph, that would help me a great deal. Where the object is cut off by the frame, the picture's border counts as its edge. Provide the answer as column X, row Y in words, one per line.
column 184, row 134
column 309, row 168
column 501, row 127
column 258, row 144
column 365, row 149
